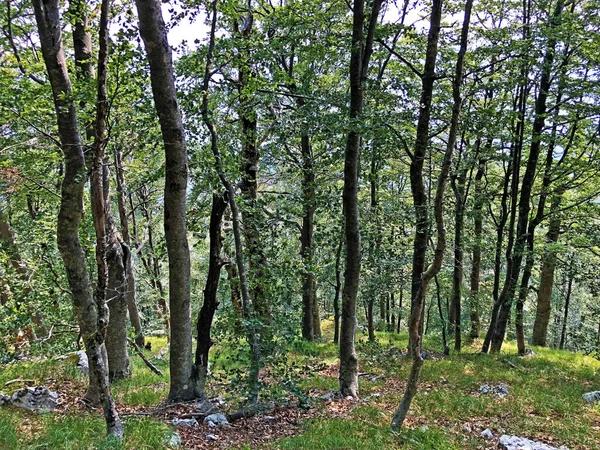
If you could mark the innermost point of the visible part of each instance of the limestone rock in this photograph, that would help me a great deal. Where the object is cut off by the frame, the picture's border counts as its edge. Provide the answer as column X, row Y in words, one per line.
column 487, row 434
column 508, row 442
column 500, row 390
column 592, row 397
column 39, row 399
column 217, row 419
column 83, row 364
column 186, row 423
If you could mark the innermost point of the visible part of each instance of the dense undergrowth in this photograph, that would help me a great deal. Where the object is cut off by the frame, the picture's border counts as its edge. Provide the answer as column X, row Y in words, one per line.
column 544, row 400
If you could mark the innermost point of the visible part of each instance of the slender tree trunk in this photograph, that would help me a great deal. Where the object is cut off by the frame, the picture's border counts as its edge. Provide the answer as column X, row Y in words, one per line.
column 92, row 313
column 338, row 289
column 457, row 276
column 252, row 333
column 154, row 35
column 441, row 313
column 508, row 291
column 476, row 258
column 418, row 190
column 544, row 297
column 563, row 334
column 359, row 62
column 134, row 315
column 209, row 307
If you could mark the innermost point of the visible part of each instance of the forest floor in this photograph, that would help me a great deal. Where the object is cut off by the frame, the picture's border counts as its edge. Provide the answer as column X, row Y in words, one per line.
column 544, row 402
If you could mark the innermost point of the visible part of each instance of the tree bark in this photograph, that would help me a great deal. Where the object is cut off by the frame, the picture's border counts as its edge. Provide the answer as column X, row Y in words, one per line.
column 544, row 297
column 419, row 194
column 563, row 334
column 134, row 315
column 154, row 35
column 476, row 257
column 92, row 315
column 359, row 62
column 514, row 266
column 209, row 307
column 338, row 289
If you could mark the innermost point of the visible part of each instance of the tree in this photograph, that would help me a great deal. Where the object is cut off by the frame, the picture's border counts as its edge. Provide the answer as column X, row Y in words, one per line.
column 154, row 35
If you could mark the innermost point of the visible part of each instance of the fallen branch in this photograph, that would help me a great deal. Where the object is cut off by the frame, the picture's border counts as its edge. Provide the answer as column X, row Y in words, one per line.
column 139, row 352
column 17, row 380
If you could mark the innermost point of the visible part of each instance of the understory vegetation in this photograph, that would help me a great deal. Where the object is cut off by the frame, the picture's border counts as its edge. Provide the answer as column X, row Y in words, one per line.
column 544, row 401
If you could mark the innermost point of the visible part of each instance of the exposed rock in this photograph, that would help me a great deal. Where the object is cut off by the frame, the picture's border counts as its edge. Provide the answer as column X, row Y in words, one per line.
column 269, row 417
column 217, row 419
column 83, row 365
column 39, row 399
column 211, row 437
column 467, row 427
column 187, row 423
column 4, row 399
column 174, row 441
column 205, row 407
column 518, row 443
column 500, row 390
column 329, row 396
column 592, row 397
column 487, row 434
column 211, row 424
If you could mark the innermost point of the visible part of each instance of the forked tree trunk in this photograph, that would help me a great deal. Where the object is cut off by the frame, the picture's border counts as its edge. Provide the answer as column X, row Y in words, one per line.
column 209, row 307
column 154, row 34
column 420, row 196
column 250, row 313
column 92, row 315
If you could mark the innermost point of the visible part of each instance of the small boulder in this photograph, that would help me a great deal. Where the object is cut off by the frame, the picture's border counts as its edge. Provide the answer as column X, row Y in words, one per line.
column 592, row 397
column 39, row 399
column 174, row 441
column 329, row 396
column 204, row 407
column 508, row 442
column 186, row 423
column 211, row 437
column 217, row 419
column 4, row 399
column 487, row 434
column 467, row 427
column 269, row 417
column 83, row 364
column 500, row 390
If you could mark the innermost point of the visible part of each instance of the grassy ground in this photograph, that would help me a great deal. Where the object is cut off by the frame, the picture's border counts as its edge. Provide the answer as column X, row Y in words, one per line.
column 544, row 401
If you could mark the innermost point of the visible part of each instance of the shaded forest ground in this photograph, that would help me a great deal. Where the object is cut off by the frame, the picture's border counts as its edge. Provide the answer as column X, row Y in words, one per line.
column 544, row 402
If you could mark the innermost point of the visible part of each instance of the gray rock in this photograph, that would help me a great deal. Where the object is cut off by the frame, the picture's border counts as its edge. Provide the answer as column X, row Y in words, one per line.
column 174, row 441
column 217, row 419
column 467, row 428
column 487, row 434
column 500, row 390
column 592, row 397
column 269, row 417
column 186, row 423
column 508, row 442
column 211, row 424
column 39, row 399
column 83, row 365
column 4, row 399
column 329, row 396
column 205, row 407
column 211, row 437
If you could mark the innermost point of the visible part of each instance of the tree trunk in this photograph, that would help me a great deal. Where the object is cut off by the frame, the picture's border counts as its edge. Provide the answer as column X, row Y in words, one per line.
column 476, row 258
column 419, row 194
column 544, row 297
column 209, row 307
column 92, row 315
column 250, row 314
column 359, row 62
column 563, row 334
column 457, row 277
column 154, row 35
column 514, row 266
column 338, row 289
column 134, row 315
